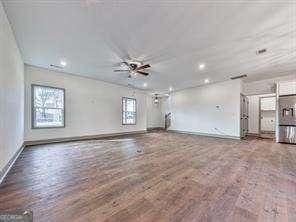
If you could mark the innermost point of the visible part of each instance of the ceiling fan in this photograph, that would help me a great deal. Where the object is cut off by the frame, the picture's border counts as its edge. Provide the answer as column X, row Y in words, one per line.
column 133, row 68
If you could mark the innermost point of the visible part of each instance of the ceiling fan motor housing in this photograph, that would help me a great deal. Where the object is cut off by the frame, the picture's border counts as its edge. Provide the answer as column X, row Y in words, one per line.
column 134, row 68
column 133, row 65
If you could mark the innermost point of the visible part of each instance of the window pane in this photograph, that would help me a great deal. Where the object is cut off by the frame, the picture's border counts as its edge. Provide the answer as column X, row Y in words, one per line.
column 130, row 105
column 48, row 107
column 124, row 116
column 48, row 97
column 130, row 117
column 128, row 111
column 45, row 117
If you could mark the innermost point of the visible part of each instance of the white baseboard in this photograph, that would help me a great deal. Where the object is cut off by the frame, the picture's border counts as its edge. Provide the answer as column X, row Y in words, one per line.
column 253, row 134
column 77, row 138
column 155, row 128
column 207, row 134
column 10, row 163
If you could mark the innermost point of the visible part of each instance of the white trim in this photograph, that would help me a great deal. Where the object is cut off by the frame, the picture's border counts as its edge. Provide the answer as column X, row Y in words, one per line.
column 77, row 138
column 7, row 167
column 206, row 134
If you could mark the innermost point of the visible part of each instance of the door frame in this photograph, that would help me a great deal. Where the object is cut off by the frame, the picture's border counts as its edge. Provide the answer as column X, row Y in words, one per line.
column 259, row 122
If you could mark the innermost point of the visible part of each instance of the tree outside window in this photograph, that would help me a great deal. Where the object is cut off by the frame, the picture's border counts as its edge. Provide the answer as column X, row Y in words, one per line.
column 48, row 107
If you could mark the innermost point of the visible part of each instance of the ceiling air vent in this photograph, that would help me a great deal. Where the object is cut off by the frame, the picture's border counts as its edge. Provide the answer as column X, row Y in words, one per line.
column 261, row 51
column 238, row 77
column 56, row 67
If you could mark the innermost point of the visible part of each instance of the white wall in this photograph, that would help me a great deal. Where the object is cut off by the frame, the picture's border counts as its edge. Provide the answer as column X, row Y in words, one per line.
column 155, row 116
column 287, row 87
column 268, row 121
column 268, row 103
column 268, row 113
column 11, row 93
column 92, row 107
column 209, row 109
column 265, row 86
column 254, row 112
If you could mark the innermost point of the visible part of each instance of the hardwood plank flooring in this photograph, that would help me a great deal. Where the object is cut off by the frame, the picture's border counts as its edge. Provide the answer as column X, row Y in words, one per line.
column 157, row 176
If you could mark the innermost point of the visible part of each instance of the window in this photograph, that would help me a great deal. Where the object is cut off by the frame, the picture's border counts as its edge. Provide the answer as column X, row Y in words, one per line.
column 48, row 107
column 129, row 111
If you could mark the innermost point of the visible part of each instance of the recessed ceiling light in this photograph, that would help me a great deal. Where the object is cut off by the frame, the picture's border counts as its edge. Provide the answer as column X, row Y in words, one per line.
column 201, row 66
column 145, row 84
column 207, row 80
column 63, row 63
column 171, row 89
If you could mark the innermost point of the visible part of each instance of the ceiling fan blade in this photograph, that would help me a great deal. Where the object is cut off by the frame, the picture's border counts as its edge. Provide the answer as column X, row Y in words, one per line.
column 119, row 70
column 127, row 64
column 143, row 67
column 143, row 73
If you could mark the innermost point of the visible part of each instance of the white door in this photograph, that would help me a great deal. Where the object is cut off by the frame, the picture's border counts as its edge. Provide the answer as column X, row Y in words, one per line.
column 244, row 115
column 267, row 114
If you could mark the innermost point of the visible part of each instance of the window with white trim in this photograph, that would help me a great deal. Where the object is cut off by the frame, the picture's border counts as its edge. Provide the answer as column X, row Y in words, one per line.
column 129, row 111
column 48, row 107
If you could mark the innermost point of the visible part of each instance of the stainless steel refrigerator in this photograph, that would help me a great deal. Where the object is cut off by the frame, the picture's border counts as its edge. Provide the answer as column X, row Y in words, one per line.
column 287, row 119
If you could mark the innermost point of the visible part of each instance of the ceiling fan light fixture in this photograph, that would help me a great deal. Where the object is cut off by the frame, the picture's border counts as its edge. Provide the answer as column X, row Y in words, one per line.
column 123, row 65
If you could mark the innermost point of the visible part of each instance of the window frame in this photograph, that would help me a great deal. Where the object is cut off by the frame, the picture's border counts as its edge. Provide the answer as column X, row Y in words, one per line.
column 33, row 114
column 127, row 124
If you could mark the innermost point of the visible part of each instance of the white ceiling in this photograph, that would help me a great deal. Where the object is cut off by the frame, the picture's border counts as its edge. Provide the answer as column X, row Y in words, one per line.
column 173, row 36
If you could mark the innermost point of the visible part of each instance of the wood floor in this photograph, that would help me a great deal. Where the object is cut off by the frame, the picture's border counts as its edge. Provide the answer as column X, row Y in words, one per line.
column 156, row 176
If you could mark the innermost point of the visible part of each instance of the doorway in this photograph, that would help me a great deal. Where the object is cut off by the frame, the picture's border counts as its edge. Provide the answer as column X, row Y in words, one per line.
column 267, row 116
column 167, row 120
column 244, row 116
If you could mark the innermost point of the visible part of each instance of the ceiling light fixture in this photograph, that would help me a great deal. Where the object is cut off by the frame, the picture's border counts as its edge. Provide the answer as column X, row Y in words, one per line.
column 63, row 63
column 145, row 84
column 207, row 81
column 171, row 89
column 201, row 66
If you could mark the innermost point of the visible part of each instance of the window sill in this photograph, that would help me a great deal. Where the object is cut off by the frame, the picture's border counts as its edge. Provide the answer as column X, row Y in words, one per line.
column 47, row 127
